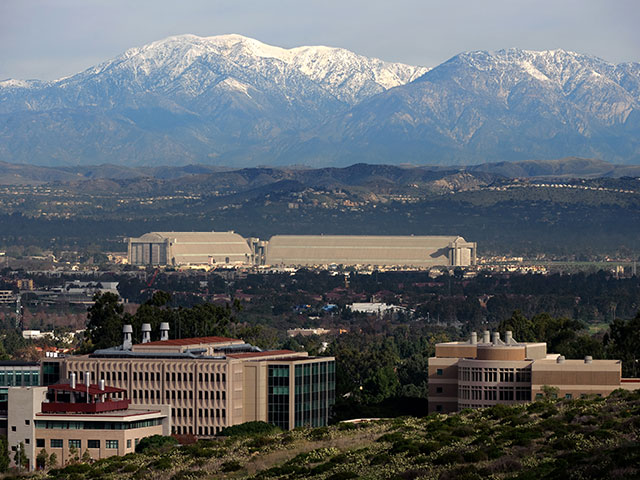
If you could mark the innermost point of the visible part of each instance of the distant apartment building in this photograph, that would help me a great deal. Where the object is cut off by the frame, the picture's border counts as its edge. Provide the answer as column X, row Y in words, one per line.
column 7, row 297
column 483, row 373
column 210, row 382
column 69, row 419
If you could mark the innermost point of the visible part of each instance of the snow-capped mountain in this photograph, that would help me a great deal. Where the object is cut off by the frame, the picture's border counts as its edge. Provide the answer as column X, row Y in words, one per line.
column 236, row 101
column 507, row 105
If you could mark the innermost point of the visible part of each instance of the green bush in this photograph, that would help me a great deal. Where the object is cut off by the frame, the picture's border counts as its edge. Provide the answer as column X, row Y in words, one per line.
column 163, row 463
column 129, row 468
column 343, row 475
column 475, row 456
column 231, row 466
column 381, row 459
column 249, row 429
column 76, row 468
column 155, row 443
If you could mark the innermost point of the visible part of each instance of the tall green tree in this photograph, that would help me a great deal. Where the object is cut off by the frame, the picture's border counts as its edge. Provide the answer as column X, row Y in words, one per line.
column 623, row 343
column 105, row 319
column 4, row 454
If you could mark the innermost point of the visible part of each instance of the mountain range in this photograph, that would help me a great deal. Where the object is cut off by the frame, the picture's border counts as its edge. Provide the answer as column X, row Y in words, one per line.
column 234, row 101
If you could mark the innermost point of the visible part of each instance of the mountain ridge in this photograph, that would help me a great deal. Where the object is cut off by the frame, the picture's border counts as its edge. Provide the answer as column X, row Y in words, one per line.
column 231, row 100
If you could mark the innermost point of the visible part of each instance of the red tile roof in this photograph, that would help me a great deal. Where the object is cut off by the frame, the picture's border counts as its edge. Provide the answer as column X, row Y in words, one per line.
column 190, row 341
column 272, row 353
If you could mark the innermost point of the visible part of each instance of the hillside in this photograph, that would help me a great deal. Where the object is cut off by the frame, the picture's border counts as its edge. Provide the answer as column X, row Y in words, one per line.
column 586, row 438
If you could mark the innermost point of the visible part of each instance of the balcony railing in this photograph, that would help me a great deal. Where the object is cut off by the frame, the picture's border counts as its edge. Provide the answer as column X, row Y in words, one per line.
column 108, row 406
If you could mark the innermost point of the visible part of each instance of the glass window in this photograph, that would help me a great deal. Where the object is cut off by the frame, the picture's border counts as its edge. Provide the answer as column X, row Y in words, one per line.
column 568, row 396
column 56, row 443
column 75, row 443
column 129, row 443
column 93, row 443
column 439, row 371
column 39, row 442
column 112, row 443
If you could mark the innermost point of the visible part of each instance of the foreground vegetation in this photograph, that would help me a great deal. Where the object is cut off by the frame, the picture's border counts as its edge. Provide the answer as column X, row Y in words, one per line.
column 570, row 439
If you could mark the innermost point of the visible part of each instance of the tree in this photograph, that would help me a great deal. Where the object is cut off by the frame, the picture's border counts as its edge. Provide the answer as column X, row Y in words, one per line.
column 105, row 319
column 20, row 457
column 42, row 459
column 53, row 461
column 4, row 454
column 624, row 344
column 86, row 457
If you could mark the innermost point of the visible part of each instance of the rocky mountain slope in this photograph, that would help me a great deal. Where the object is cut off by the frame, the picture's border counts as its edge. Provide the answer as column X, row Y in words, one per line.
column 231, row 100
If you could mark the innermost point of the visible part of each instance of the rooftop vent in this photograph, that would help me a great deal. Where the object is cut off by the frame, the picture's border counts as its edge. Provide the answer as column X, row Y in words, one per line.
column 146, row 332
column 164, row 331
column 560, row 359
column 127, row 332
column 474, row 338
column 588, row 359
column 486, row 337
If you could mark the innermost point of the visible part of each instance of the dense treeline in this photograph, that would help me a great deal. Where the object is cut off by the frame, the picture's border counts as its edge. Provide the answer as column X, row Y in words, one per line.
column 448, row 299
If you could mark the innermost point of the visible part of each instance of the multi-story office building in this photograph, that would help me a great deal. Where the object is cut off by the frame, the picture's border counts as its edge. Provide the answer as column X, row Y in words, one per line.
column 15, row 373
column 211, row 382
column 480, row 374
column 69, row 419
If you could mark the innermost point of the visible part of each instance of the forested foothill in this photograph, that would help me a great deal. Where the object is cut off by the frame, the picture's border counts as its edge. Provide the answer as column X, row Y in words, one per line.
column 563, row 214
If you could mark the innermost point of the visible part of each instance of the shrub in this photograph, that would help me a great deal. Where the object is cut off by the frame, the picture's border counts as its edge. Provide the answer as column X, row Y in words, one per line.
column 475, row 456
column 231, row 466
column 322, row 468
column 130, row 468
column 381, row 459
column 248, row 429
column 76, row 468
column 188, row 475
column 155, row 443
column 162, row 463
column 343, row 475
column 448, row 457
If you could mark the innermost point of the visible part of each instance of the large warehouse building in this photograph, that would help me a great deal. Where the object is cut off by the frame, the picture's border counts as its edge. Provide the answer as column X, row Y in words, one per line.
column 229, row 248
column 414, row 251
column 189, row 248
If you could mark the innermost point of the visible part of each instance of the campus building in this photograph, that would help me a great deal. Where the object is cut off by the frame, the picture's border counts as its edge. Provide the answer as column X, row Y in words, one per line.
column 69, row 419
column 210, row 382
column 483, row 373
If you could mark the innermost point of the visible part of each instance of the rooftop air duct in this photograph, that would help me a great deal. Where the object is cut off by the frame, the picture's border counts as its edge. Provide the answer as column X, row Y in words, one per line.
column 164, row 331
column 146, row 332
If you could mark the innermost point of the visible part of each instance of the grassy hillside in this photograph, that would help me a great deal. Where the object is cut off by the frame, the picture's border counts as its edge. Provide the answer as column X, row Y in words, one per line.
column 586, row 438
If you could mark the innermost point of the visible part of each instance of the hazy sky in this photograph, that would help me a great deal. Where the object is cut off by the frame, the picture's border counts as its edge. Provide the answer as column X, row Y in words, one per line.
column 47, row 39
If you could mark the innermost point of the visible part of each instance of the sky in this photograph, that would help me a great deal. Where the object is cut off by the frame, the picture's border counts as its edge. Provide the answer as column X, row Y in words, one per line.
column 48, row 39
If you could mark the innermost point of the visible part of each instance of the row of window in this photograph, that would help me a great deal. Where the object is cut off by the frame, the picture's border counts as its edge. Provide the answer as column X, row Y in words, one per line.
column 147, row 376
column 202, row 412
column 490, row 393
column 493, row 375
column 77, row 444
column 19, row 378
column 178, row 395
column 206, row 412
column 90, row 425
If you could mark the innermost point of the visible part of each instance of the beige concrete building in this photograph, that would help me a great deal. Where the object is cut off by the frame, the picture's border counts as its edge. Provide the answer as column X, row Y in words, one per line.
column 69, row 419
column 229, row 248
column 381, row 250
column 477, row 374
column 189, row 248
column 212, row 382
